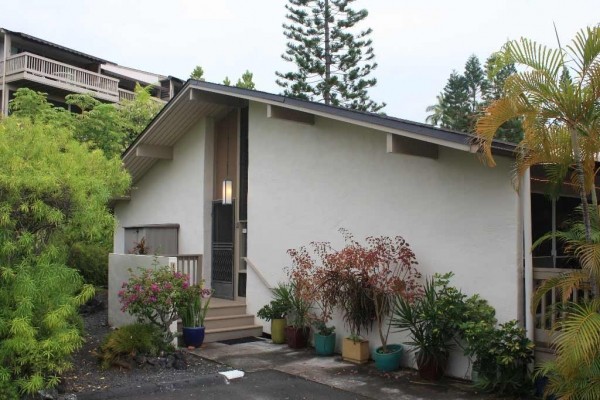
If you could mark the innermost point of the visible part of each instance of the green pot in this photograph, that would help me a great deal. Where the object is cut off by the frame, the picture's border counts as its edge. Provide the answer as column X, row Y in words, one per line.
column 278, row 331
column 324, row 345
column 389, row 361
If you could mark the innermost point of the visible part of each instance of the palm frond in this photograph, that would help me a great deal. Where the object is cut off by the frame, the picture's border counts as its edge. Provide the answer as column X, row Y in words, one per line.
column 564, row 284
column 578, row 338
column 534, row 55
column 585, row 49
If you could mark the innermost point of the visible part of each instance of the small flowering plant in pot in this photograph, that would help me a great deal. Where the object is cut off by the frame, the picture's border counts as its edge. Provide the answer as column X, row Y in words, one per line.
column 192, row 306
column 151, row 297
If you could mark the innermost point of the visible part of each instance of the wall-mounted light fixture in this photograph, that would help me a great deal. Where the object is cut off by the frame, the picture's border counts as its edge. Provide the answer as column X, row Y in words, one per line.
column 227, row 183
column 227, row 190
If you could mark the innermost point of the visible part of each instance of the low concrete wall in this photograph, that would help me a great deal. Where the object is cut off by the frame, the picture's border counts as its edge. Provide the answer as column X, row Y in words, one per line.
column 120, row 269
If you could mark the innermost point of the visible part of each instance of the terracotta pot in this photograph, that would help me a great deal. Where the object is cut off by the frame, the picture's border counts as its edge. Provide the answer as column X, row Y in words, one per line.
column 297, row 338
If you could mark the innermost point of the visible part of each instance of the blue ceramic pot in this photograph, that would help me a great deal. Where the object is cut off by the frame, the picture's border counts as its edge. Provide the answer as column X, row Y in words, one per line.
column 389, row 361
column 193, row 337
column 324, row 345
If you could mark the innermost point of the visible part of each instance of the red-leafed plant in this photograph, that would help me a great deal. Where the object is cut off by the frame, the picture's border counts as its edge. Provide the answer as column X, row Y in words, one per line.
column 361, row 279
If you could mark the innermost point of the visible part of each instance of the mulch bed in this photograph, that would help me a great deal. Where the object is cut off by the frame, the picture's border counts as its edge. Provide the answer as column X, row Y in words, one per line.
column 87, row 375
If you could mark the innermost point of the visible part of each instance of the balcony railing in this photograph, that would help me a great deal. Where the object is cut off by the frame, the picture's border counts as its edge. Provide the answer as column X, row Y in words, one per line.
column 128, row 96
column 65, row 74
column 549, row 310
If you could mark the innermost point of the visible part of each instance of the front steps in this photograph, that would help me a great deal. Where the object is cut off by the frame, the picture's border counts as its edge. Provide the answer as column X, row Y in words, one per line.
column 227, row 320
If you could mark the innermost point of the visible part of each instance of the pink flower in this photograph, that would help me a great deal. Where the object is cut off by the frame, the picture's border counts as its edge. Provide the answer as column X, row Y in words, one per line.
column 154, row 287
column 185, row 285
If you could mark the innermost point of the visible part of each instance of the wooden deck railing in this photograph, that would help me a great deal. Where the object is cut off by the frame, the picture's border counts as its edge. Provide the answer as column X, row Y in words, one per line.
column 548, row 312
column 60, row 72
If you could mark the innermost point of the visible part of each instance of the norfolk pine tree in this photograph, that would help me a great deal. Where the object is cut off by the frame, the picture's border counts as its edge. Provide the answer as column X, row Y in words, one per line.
column 333, row 60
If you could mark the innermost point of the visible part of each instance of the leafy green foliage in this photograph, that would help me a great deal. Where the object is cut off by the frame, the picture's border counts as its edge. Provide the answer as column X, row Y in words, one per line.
column 53, row 192
column 134, row 115
column 430, row 319
column 192, row 305
column 8, row 389
column 444, row 316
column 129, row 341
column 575, row 370
column 245, row 81
column 333, row 60
column 91, row 261
column 279, row 307
column 465, row 96
column 197, row 73
column 107, row 127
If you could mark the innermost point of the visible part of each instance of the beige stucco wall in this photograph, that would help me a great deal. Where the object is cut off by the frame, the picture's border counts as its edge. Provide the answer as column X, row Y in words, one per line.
column 306, row 182
column 171, row 192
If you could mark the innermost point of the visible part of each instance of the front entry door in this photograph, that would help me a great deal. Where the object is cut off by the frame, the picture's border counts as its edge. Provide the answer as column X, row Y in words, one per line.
column 222, row 250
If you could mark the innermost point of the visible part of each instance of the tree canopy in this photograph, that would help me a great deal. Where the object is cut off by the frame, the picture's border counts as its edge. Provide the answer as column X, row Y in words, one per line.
column 333, row 60
column 107, row 127
column 245, row 81
column 466, row 95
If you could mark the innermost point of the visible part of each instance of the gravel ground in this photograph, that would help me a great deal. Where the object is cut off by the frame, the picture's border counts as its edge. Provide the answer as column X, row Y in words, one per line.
column 87, row 376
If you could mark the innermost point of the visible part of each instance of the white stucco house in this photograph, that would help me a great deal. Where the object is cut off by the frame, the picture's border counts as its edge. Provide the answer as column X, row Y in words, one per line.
column 299, row 171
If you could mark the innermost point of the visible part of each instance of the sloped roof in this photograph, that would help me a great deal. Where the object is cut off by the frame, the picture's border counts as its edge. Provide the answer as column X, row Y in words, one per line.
column 25, row 36
column 182, row 112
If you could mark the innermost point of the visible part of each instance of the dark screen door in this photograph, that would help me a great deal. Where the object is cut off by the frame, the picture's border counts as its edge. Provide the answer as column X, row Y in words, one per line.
column 222, row 250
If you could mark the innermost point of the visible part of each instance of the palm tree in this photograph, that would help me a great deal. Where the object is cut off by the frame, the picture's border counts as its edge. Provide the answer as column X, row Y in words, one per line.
column 556, row 93
column 437, row 111
column 557, row 96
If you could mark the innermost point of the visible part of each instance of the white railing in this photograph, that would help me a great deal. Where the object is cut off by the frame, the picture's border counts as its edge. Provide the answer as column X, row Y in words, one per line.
column 259, row 274
column 63, row 73
column 548, row 311
column 191, row 265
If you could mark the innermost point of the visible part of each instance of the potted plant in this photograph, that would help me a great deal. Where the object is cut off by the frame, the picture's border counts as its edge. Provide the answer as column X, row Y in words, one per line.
column 297, row 332
column 324, row 339
column 276, row 312
column 431, row 321
column 390, row 268
column 321, row 285
column 192, row 306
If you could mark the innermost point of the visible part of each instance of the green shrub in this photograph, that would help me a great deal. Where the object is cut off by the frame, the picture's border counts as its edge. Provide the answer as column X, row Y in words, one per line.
column 128, row 341
column 8, row 390
column 91, row 260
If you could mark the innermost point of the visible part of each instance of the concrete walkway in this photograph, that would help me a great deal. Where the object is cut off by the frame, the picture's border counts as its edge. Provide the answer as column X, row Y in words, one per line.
column 363, row 380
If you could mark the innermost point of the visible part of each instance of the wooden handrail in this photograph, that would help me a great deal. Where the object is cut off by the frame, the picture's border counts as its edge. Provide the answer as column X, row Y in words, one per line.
column 258, row 273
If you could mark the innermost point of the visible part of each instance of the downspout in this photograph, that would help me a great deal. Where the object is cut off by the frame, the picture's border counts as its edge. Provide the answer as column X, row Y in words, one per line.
column 527, row 256
column 4, row 107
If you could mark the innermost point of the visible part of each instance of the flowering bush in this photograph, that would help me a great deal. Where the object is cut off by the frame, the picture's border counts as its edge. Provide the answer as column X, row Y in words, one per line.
column 192, row 305
column 361, row 279
column 152, row 297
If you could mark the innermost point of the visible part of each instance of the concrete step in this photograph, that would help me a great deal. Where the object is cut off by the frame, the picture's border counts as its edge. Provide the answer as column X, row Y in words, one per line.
column 238, row 332
column 221, row 310
column 228, row 321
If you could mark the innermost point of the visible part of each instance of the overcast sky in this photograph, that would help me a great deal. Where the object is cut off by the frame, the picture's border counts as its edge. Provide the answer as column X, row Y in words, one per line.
column 417, row 43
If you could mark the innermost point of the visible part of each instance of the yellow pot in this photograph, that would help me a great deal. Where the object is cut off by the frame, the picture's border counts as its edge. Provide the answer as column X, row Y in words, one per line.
column 356, row 352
